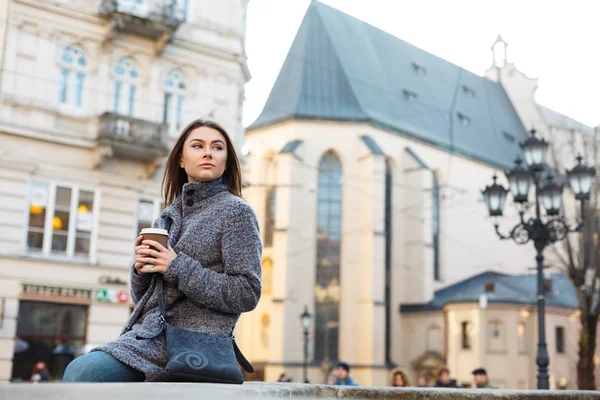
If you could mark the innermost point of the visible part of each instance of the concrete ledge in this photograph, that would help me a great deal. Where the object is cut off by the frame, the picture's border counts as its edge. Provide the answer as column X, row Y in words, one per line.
column 259, row 390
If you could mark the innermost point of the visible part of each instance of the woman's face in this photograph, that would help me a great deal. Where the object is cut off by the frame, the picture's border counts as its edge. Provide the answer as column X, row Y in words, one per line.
column 204, row 155
column 398, row 380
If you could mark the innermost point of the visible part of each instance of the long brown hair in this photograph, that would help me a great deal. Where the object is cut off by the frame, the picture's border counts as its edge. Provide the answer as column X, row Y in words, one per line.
column 175, row 176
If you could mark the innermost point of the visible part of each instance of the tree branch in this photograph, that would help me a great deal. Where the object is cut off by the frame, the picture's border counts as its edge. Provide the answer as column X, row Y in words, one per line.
column 560, row 257
column 572, row 267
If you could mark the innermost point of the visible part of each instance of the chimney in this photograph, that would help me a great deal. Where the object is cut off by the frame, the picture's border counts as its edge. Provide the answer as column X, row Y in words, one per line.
column 489, row 286
column 547, row 285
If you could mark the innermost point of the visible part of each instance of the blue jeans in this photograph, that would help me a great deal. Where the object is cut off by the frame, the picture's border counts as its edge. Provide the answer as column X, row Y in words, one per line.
column 99, row 366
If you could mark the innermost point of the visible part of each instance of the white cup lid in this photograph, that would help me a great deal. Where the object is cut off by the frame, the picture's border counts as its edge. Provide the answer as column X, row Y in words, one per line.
column 154, row 231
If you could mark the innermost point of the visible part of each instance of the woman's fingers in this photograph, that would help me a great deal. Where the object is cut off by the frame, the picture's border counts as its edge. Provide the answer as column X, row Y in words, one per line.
column 139, row 268
column 145, row 260
column 148, row 269
column 141, row 247
column 148, row 252
column 154, row 244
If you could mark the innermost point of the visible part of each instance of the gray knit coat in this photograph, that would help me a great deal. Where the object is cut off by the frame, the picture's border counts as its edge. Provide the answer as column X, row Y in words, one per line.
column 215, row 277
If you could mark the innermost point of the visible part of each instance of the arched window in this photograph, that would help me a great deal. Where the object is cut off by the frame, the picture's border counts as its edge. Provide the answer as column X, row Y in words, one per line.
column 73, row 66
column 435, row 225
column 126, row 79
column 270, row 179
column 270, row 207
column 388, row 259
column 267, row 276
column 265, row 324
column 175, row 92
column 327, row 290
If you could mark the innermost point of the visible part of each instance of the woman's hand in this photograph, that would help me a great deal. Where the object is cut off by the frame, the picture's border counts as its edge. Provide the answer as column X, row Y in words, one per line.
column 139, row 246
column 150, row 260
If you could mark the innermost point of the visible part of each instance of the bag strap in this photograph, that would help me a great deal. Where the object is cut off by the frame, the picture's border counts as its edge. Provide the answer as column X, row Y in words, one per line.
column 161, row 293
column 243, row 361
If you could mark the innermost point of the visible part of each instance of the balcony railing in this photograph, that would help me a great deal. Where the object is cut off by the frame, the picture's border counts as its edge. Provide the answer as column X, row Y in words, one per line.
column 153, row 19
column 133, row 138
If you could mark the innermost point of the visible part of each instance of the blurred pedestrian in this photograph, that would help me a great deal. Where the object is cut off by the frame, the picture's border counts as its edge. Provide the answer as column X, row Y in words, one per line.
column 480, row 379
column 284, row 378
column 40, row 373
column 422, row 382
column 342, row 373
column 444, row 379
column 399, row 378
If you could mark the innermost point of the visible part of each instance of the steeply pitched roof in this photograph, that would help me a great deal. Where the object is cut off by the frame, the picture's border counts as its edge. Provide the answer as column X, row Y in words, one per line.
column 512, row 289
column 341, row 68
column 561, row 121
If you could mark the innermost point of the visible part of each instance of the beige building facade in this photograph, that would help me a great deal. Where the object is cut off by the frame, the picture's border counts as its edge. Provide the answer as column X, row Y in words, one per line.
column 92, row 94
column 366, row 180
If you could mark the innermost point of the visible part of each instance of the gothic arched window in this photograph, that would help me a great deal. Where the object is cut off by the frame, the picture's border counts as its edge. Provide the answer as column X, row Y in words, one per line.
column 327, row 290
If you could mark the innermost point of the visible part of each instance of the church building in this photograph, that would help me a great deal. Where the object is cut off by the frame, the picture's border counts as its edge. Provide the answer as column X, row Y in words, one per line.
column 365, row 169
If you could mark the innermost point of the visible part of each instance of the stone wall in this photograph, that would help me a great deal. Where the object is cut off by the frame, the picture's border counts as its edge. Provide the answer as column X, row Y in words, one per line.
column 190, row 391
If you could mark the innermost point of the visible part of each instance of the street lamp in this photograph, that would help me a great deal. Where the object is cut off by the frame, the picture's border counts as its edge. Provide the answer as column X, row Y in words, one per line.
column 535, row 150
column 306, row 319
column 580, row 180
column 519, row 181
column 495, row 196
column 551, row 194
column 542, row 231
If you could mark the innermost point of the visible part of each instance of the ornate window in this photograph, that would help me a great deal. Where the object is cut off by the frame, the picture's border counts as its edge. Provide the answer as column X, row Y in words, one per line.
column 126, row 80
column 466, row 331
column 73, row 66
column 175, row 93
column 327, row 290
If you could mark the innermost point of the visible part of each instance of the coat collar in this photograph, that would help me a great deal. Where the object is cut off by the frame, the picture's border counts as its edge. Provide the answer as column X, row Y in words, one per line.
column 199, row 191
column 192, row 195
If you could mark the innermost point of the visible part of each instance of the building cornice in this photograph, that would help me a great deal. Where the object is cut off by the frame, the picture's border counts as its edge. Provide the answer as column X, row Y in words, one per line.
column 62, row 10
column 47, row 136
column 208, row 50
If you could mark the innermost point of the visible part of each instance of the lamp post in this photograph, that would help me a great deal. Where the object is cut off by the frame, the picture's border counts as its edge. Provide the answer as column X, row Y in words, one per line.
column 306, row 319
column 542, row 231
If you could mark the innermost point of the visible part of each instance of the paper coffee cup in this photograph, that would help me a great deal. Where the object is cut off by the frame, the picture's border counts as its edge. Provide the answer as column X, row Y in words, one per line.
column 158, row 235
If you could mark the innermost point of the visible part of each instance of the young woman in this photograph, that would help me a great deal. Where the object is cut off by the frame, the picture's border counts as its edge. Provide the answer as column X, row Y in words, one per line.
column 399, row 378
column 211, row 266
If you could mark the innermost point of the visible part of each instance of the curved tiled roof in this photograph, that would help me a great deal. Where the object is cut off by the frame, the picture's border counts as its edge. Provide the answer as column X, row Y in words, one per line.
column 508, row 289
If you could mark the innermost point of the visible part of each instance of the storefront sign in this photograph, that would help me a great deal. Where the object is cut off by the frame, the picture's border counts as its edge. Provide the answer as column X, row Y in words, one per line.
column 111, row 280
column 112, row 296
column 55, row 291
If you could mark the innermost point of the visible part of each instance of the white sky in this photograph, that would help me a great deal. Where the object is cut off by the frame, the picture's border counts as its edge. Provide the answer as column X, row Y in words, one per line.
column 555, row 41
